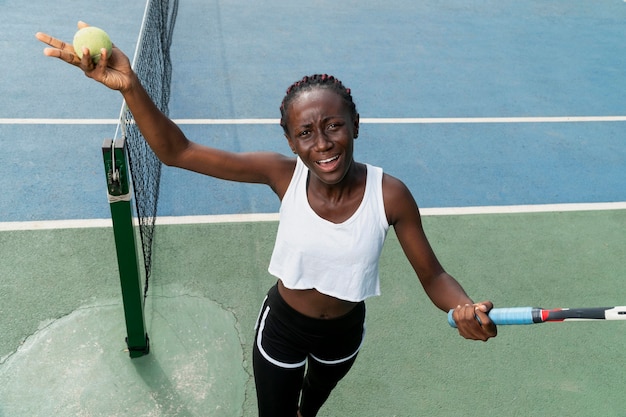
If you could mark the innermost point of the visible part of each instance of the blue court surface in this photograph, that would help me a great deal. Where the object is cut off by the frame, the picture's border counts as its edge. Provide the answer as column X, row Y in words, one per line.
column 427, row 60
column 506, row 119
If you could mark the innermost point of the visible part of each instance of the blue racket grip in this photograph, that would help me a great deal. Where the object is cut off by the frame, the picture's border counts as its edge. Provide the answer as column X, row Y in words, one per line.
column 503, row 316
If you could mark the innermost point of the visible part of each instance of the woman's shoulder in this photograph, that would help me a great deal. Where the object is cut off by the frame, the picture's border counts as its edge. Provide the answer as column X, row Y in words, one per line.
column 282, row 170
column 393, row 184
column 397, row 198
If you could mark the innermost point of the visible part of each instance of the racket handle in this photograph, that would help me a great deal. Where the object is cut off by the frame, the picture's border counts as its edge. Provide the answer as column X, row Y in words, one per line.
column 500, row 316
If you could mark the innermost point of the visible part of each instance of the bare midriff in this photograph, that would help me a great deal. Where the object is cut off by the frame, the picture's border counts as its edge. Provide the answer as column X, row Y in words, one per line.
column 313, row 303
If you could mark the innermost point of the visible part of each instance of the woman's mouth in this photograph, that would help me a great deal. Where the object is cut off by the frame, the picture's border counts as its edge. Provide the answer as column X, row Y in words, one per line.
column 328, row 164
column 327, row 161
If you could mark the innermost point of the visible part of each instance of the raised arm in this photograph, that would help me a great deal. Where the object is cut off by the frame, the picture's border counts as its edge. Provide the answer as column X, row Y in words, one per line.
column 444, row 291
column 166, row 139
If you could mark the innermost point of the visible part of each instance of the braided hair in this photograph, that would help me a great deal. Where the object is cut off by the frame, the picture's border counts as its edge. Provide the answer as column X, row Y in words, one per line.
column 310, row 82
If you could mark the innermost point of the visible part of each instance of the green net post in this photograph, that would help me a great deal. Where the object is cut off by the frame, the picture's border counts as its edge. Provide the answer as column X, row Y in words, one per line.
column 116, row 169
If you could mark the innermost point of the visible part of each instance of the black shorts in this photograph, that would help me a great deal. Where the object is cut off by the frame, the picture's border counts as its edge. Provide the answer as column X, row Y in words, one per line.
column 286, row 338
column 287, row 341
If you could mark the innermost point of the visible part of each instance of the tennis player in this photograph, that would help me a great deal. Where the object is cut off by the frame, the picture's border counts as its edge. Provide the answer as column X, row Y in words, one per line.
column 334, row 216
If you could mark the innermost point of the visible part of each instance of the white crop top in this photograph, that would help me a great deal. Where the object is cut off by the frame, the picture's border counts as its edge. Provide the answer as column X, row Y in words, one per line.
column 340, row 260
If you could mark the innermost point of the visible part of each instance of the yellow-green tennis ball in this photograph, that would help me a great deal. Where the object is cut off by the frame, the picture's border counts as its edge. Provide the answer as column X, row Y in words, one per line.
column 94, row 39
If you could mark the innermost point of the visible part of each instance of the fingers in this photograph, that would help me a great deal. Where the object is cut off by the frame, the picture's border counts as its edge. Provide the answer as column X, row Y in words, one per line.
column 113, row 69
column 485, row 306
column 53, row 42
column 101, row 65
column 69, row 57
column 473, row 322
column 58, row 48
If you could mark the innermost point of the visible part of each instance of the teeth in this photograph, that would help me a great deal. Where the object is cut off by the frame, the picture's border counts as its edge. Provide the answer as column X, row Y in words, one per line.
column 325, row 161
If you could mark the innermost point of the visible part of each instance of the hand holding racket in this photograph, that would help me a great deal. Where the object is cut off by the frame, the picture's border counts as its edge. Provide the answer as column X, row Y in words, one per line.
column 473, row 321
column 534, row 315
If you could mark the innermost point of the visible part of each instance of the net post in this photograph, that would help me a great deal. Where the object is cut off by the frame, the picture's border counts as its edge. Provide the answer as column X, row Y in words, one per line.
column 116, row 170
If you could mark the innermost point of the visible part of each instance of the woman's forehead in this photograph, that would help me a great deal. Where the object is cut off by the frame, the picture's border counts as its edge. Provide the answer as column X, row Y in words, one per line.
column 319, row 99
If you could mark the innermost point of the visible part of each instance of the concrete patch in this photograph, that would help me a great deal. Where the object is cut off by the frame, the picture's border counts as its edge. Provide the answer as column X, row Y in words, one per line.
column 77, row 365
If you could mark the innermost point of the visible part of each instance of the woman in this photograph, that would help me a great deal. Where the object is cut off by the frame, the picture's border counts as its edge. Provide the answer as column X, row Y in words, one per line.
column 334, row 216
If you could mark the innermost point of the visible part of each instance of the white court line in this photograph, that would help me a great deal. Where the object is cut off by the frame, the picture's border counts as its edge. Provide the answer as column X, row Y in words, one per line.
column 401, row 120
column 420, row 120
column 271, row 217
column 55, row 224
column 520, row 209
column 59, row 121
column 459, row 120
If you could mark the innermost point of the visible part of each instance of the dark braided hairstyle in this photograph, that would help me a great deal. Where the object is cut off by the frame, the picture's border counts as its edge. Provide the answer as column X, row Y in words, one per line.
column 315, row 81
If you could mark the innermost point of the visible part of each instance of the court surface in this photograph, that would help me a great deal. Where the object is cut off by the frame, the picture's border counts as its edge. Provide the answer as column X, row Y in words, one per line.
column 506, row 119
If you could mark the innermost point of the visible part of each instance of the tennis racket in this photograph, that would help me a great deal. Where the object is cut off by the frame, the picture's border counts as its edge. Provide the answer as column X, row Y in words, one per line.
column 533, row 315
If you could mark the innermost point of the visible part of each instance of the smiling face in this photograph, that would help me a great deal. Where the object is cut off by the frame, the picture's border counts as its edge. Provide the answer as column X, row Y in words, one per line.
column 321, row 131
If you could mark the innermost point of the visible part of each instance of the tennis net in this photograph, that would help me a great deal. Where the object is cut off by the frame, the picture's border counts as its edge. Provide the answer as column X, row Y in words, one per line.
column 153, row 66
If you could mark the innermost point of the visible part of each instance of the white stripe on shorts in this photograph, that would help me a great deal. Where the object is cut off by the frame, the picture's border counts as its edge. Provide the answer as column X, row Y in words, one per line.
column 265, row 354
column 338, row 361
column 286, row 365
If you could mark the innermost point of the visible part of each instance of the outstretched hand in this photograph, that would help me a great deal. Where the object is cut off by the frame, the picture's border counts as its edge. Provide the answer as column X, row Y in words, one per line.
column 473, row 322
column 113, row 71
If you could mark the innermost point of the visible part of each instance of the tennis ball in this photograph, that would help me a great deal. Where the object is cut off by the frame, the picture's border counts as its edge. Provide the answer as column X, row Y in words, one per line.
column 94, row 39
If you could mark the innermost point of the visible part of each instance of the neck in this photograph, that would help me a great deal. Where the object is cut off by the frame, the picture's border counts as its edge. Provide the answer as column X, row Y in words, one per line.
column 332, row 193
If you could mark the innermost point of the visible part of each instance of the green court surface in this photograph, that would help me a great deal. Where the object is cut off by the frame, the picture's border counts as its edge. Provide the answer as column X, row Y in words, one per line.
column 62, row 345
